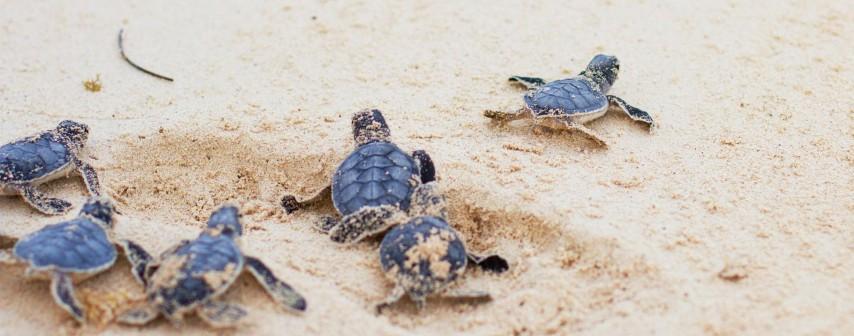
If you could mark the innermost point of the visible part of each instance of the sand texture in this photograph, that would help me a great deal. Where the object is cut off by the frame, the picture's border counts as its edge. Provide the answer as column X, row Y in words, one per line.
column 734, row 217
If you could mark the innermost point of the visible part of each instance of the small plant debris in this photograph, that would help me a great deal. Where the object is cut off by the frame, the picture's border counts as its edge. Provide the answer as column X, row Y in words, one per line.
column 93, row 85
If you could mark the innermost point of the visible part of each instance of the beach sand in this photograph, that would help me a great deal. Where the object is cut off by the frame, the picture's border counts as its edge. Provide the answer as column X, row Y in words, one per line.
column 735, row 216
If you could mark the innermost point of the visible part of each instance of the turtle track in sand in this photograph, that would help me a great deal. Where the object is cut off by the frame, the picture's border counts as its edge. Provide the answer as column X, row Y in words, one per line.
column 179, row 176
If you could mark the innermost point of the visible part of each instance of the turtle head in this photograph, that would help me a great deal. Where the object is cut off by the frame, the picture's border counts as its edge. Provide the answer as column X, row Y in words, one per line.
column 370, row 126
column 74, row 131
column 101, row 209
column 225, row 221
column 603, row 69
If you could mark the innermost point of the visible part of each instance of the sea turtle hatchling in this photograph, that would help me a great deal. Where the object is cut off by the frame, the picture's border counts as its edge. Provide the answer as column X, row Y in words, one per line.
column 192, row 275
column 371, row 184
column 425, row 255
column 569, row 103
column 74, row 250
column 28, row 162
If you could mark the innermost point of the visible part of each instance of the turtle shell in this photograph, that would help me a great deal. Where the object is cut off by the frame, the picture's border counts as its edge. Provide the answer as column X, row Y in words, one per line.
column 78, row 245
column 423, row 255
column 569, row 96
column 32, row 158
column 199, row 270
column 375, row 174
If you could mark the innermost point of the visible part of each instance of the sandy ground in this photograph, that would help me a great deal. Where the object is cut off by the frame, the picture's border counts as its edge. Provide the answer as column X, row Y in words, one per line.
column 734, row 217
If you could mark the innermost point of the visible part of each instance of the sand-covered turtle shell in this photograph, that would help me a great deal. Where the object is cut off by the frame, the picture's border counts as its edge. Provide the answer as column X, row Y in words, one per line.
column 424, row 255
column 76, row 246
column 378, row 173
column 567, row 96
column 33, row 158
column 199, row 270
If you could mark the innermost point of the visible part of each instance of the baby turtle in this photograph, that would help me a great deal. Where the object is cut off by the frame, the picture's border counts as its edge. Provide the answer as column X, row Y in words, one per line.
column 372, row 184
column 192, row 275
column 569, row 103
column 26, row 163
column 72, row 251
column 425, row 255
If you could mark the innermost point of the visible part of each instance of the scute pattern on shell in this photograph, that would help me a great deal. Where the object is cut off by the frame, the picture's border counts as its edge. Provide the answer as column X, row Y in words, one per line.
column 570, row 96
column 78, row 245
column 375, row 174
column 190, row 282
column 32, row 158
column 423, row 255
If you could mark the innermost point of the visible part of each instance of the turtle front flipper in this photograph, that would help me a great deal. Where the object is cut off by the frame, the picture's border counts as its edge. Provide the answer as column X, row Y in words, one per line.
column 139, row 315
column 42, row 203
column 63, row 293
column 291, row 204
column 90, row 177
column 633, row 112
column 280, row 291
column 395, row 295
column 425, row 165
column 365, row 222
column 492, row 263
column 218, row 314
column 528, row 82
column 138, row 258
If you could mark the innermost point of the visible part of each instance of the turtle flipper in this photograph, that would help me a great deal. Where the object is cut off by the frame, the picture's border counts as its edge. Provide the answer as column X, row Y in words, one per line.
column 139, row 315
column 326, row 223
column 138, row 258
column 427, row 200
column 391, row 299
column 474, row 295
column 280, row 291
column 528, row 82
column 90, row 177
column 633, row 112
column 291, row 204
column 493, row 263
column 566, row 123
column 502, row 116
column 63, row 293
column 218, row 314
column 42, row 203
column 425, row 164
column 365, row 222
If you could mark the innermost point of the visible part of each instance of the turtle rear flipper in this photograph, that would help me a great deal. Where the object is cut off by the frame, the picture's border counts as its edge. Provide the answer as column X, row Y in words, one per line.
column 291, row 204
column 139, row 315
column 280, row 291
column 63, row 293
column 42, row 203
column 395, row 295
column 502, row 116
column 365, row 222
column 427, row 200
column 220, row 314
column 493, row 263
column 6, row 257
column 528, row 82
column 138, row 258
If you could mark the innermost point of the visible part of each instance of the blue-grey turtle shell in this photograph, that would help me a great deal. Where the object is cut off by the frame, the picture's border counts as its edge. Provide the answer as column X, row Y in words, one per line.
column 419, row 274
column 569, row 96
column 215, row 256
column 78, row 245
column 378, row 173
column 32, row 158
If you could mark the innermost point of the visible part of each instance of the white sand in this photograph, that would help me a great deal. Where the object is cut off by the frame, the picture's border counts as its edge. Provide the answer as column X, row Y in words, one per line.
column 734, row 218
